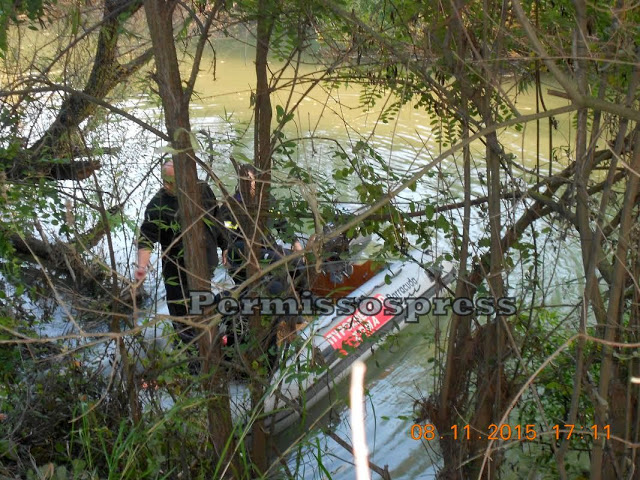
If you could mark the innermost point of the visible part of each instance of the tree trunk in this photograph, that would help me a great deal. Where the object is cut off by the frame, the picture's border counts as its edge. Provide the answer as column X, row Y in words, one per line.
column 610, row 382
column 176, row 109
column 490, row 372
column 259, row 207
column 106, row 73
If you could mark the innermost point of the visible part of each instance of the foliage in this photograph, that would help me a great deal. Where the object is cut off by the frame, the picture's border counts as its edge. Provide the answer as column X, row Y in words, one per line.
column 59, row 418
column 465, row 64
column 11, row 12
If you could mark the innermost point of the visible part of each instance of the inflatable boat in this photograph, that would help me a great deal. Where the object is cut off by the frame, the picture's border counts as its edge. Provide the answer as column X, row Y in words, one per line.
column 370, row 300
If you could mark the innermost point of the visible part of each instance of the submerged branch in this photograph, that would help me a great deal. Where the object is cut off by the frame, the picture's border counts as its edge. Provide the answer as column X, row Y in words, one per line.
column 64, row 256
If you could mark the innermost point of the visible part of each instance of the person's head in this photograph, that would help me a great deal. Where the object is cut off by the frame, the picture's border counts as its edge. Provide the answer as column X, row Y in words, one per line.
column 247, row 171
column 169, row 176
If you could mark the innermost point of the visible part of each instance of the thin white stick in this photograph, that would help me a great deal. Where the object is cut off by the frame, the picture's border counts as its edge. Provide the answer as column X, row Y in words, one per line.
column 360, row 450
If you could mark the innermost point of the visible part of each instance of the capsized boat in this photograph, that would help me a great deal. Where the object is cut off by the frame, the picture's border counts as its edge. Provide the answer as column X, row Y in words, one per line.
column 384, row 297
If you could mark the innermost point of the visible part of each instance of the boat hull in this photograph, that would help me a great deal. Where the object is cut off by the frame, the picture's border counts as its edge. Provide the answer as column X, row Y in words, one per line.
column 328, row 346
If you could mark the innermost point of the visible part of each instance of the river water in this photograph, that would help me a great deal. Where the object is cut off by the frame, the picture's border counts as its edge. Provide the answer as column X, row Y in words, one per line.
column 402, row 371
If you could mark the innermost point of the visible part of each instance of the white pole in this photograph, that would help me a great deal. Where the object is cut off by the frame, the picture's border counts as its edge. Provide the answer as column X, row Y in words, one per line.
column 360, row 450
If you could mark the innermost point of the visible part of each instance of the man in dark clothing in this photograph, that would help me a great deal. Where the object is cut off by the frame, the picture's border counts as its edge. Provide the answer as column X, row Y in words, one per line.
column 234, row 209
column 162, row 225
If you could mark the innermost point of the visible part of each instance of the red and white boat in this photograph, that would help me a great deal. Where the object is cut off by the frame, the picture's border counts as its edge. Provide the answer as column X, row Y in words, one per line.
column 328, row 345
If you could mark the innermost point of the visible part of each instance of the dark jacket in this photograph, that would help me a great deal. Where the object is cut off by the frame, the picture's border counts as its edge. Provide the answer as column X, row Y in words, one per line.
column 234, row 208
column 162, row 225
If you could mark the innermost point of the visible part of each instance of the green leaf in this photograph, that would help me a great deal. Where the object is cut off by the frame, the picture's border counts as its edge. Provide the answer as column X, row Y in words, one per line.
column 429, row 210
column 443, row 223
column 484, row 242
column 75, row 21
column 194, row 142
column 61, row 473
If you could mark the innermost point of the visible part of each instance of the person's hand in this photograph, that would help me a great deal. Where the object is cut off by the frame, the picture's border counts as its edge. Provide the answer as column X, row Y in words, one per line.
column 225, row 261
column 140, row 273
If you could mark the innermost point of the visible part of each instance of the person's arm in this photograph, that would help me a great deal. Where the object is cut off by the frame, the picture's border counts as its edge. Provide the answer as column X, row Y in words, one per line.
column 144, row 255
column 149, row 234
column 223, row 241
column 222, row 234
column 214, row 220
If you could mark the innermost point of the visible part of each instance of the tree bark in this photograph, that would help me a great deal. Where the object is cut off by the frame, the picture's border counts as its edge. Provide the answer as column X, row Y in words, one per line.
column 176, row 109
column 106, row 73
column 258, row 208
column 608, row 377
